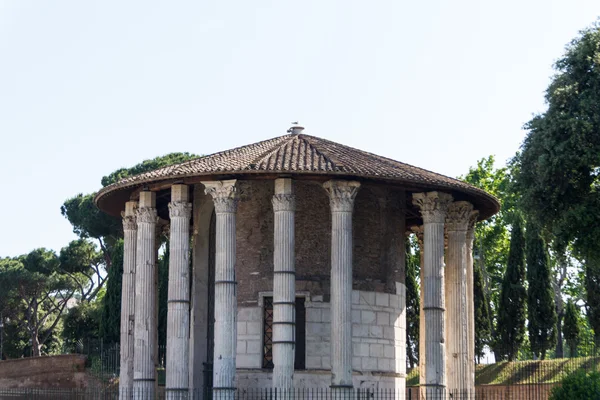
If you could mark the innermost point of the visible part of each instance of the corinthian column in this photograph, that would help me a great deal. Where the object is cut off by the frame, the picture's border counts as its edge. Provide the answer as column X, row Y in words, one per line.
column 433, row 206
column 457, row 357
column 470, row 300
column 127, row 299
column 225, row 331
column 341, row 200
column 284, row 285
column 178, row 308
column 418, row 231
column 145, row 349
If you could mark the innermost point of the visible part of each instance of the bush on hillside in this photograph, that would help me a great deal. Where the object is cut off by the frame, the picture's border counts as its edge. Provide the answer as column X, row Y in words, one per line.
column 579, row 385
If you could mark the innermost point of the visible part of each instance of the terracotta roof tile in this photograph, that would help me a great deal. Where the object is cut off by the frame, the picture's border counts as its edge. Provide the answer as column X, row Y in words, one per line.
column 299, row 154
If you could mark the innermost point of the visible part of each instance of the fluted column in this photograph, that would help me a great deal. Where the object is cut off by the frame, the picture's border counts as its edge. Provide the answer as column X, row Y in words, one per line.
column 433, row 207
column 284, row 285
column 178, row 303
column 127, row 299
column 471, row 299
column 144, row 370
column 457, row 353
column 341, row 200
column 225, row 331
column 418, row 231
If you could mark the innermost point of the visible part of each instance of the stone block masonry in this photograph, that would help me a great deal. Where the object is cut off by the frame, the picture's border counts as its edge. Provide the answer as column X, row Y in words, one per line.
column 378, row 334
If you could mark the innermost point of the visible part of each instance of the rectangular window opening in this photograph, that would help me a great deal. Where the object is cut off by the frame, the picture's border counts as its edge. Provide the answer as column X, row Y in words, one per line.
column 300, row 346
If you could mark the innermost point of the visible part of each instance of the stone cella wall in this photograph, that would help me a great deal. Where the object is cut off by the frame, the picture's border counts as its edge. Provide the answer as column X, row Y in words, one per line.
column 378, row 336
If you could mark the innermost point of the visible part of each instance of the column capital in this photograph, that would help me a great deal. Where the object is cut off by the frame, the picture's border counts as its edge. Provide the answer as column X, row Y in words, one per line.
column 129, row 220
column 471, row 224
column 180, row 209
column 433, row 205
column 459, row 213
column 284, row 202
column 341, row 194
column 146, row 214
column 224, row 194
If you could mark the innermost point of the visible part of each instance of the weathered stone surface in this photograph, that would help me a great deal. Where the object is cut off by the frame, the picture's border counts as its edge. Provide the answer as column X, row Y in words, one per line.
column 128, row 299
column 341, row 200
column 146, row 328
column 433, row 207
column 457, row 357
column 284, row 285
column 318, row 336
column 178, row 317
column 224, row 194
column 471, row 299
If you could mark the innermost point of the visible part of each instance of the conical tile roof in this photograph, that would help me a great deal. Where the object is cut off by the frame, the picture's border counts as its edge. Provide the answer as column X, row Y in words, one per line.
column 301, row 154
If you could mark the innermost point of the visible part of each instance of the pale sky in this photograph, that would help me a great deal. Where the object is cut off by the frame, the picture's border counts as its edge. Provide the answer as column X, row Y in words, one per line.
column 87, row 87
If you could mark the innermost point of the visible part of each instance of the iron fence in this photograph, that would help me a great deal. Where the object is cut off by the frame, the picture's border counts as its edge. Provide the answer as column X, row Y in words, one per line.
column 240, row 394
column 272, row 394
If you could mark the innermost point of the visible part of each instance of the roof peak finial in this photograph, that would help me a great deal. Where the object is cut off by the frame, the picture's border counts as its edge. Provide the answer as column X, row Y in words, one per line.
column 295, row 129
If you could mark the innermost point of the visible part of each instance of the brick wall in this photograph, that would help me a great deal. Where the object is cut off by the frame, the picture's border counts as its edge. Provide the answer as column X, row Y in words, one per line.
column 378, row 239
column 63, row 372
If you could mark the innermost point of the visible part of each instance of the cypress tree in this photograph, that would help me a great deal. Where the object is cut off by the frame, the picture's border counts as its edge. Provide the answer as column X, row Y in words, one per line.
column 110, row 326
column 412, row 305
column 513, row 296
column 540, row 295
column 483, row 328
column 571, row 327
column 592, row 295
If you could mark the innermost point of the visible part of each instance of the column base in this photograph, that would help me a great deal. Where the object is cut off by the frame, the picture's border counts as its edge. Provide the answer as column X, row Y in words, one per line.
column 177, row 394
column 144, row 389
column 223, row 393
column 342, row 392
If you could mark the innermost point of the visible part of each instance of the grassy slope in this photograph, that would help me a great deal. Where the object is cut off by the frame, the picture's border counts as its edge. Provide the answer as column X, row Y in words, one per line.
column 520, row 372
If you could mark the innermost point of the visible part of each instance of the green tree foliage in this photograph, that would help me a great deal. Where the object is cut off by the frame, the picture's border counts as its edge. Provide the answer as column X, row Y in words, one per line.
column 578, row 385
column 412, row 302
column 483, row 329
column 571, row 327
column 491, row 236
column 82, row 261
column 81, row 323
column 89, row 222
column 147, row 165
column 491, row 245
column 592, row 289
column 540, row 296
column 38, row 289
column 110, row 321
column 513, row 296
column 560, row 159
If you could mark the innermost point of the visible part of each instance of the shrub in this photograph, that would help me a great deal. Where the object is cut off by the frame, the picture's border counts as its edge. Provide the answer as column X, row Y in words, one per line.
column 579, row 385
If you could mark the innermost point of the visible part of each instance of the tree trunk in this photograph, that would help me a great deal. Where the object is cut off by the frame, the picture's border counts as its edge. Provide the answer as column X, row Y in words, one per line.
column 35, row 344
column 559, row 280
column 559, row 336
